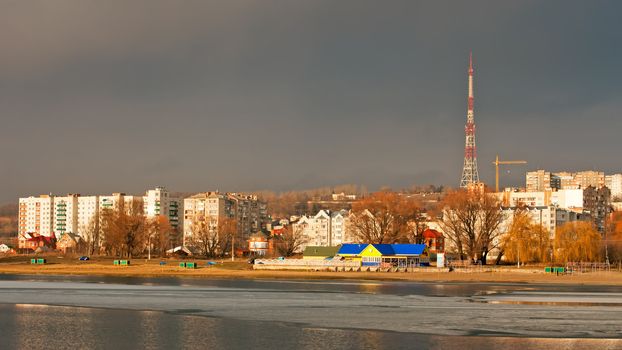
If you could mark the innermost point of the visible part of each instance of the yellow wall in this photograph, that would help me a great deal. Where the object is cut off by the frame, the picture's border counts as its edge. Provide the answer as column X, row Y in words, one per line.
column 370, row 251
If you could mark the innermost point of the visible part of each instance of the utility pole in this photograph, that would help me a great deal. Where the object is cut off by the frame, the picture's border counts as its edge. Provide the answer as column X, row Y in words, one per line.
column 233, row 247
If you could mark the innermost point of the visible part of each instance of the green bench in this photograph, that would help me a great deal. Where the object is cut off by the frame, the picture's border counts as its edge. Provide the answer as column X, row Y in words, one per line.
column 188, row 265
column 38, row 261
column 554, row 269
column 121, row 262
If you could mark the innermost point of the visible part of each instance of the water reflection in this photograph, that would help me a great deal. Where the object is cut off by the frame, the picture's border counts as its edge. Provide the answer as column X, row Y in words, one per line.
column 51, row 327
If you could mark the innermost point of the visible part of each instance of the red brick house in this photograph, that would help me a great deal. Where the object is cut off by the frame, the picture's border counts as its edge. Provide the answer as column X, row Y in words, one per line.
column 434, row 240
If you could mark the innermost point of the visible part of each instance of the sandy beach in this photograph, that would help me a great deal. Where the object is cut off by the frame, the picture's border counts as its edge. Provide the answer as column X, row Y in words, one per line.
column 241, row 269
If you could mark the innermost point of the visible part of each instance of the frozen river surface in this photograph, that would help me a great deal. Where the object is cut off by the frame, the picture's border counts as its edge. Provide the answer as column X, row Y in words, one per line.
column 308, row 314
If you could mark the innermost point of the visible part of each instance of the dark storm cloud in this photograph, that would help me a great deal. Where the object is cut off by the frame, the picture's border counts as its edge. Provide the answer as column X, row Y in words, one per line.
column 102, row 96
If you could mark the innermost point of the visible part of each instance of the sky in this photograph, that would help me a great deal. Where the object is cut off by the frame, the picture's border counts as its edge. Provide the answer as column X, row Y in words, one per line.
column 121, row 96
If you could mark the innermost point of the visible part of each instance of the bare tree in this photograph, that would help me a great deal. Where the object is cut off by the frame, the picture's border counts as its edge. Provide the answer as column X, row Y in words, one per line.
column 90, row 232
column 386, row 217
column 229, row 234
column 125, row 230
column 471, row 222
column 159, row 237
column 291, row 241
column 206, row 238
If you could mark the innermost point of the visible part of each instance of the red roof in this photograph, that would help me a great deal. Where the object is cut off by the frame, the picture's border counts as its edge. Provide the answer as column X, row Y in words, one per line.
column 429, row 233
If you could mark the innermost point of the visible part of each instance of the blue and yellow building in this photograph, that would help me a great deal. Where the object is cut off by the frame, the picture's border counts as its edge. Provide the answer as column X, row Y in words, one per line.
column 386, row 255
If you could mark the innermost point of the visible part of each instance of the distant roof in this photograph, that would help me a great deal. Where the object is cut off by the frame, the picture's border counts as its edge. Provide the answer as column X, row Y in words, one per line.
column 320, row 251
column 352, row 248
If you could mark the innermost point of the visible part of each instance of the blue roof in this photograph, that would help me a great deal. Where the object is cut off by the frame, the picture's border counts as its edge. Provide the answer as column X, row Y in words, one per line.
column 351, row 248
column 384, row 249
column 408, row 249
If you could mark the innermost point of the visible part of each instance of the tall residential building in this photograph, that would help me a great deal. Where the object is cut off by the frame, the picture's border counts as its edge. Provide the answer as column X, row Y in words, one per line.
column 159, row 201
column 614, row 183
column 563, row 181
column 65, row 214
column 36, row 215
column 585, row 179
column 539, row 180
column 596, row 204
column 88, row 210
column 247, row 211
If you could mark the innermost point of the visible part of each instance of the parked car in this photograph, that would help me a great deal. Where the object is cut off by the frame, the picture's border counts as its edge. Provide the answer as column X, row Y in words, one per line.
column 84, row 258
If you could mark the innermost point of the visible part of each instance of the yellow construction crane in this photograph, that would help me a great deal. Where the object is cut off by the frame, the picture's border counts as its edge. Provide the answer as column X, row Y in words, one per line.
column 498, row 162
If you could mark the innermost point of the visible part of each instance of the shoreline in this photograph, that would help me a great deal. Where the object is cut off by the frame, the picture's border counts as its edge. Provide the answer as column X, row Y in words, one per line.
column 241, row 270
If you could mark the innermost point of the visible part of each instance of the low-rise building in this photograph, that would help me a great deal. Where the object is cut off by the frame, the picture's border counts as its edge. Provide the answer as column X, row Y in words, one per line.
column 320, row 253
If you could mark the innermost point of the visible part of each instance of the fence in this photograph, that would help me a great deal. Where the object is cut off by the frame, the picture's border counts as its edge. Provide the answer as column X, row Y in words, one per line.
column 310, row 264
column 587, row 267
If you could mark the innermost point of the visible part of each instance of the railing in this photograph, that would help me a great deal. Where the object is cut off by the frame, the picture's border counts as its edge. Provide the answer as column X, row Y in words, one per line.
column 587, row 266
column 311, row 263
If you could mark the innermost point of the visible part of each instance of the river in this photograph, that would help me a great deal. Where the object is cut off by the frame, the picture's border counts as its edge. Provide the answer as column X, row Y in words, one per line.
column 90, row 312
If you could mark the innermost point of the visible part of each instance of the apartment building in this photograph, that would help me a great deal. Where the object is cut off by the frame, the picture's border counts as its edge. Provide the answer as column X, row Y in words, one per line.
column 36, row 215
column 513, row 198
column 159, row 202
column 326, row 228
column 614, row 183
column 49, row 215
column 585, row 179
column 88, row 210
column 542, row 215
column 207, row 206
column 65, row 217
column 596, row 204
column 538, row 181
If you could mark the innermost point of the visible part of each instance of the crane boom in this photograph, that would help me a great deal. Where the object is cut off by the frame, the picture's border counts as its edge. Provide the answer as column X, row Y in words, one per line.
column 498, row 162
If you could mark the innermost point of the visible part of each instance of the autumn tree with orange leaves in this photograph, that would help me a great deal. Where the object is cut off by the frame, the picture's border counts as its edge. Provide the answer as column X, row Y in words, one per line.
column 614, row 237
column 577, row 241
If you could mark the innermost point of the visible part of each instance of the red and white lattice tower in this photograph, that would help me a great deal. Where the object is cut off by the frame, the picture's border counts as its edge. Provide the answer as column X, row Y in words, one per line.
column 469, row 172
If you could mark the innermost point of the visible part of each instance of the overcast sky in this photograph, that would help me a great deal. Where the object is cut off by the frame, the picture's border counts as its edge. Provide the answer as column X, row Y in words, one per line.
column 118, row 95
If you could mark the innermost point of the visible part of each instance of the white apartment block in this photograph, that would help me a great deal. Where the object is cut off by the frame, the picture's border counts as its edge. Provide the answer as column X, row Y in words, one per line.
column 158, row 202
column 88, row 210
column 511, row 198
column 614, row 183
column 544, row 216
column 47, row 214
column 207, row 206
column 537, row 181
column 65, row 216
column 324, row 229
column 567, row 199
column 36, row 215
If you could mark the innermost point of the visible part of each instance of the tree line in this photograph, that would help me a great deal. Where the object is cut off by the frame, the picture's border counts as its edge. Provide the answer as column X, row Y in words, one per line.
column 473, row 226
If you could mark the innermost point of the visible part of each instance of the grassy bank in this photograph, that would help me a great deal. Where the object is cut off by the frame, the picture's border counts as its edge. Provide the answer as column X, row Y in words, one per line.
column 58, row 265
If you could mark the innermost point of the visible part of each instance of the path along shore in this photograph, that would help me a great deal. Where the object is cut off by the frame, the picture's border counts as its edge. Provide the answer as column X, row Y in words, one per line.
column 243, row 270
